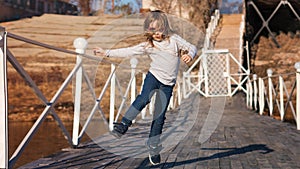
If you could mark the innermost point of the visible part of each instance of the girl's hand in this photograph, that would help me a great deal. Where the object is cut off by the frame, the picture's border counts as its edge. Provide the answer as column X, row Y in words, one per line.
column 186, row 58
column 99, row 50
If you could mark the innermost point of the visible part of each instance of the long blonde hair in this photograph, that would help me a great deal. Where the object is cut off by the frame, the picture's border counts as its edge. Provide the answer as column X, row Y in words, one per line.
column 162, row 21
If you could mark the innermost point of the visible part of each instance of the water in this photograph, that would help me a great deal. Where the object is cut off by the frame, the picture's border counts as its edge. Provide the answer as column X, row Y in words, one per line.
column 48, row 140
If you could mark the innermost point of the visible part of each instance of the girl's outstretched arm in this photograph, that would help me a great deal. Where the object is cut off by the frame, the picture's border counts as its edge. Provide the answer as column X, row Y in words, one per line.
column 122, row 52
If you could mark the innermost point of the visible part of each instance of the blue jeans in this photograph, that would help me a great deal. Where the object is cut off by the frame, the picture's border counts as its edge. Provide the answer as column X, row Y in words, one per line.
column 163, row 95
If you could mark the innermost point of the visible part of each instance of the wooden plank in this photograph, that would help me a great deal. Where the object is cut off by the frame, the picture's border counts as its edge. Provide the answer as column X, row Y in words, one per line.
column 238, row 142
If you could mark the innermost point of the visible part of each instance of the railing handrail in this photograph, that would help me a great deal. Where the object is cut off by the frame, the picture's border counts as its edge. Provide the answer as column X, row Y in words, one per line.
column 34, row 42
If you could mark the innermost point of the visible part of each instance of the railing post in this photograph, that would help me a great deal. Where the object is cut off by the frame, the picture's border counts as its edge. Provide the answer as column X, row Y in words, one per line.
column 112, row 98
column 171, row 104
column 184, row 85
column 152, row 103
column 297, row 66
column 3, row 101
column 189, row 81
column 133, row 63
column 281, row 98
column 261, row 88
column 80, row 45
column 255, row 91
column 228, row 74
column 247, row 94
column 145, row 109
column 213, row 23
column 200, row 75
column 270, row 72
column 251, row 95
column 179, row 93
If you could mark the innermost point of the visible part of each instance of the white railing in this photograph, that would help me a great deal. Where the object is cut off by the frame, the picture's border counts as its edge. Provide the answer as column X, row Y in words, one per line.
column 80, row 75
column 187, row 85
column 214, row 78
column 3, row 102
column 212, row 25
column 270, row 94
column 199, row 81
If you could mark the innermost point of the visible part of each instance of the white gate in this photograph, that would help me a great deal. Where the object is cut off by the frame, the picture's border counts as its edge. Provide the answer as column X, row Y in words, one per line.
column 215, row 76
column 216, row 69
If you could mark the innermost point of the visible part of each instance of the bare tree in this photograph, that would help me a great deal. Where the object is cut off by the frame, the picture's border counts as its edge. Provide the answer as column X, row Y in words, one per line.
column 164, row 5
column 125, row 9
column 199, row 11
column 85, row 7
column 103, row 5
column 139, row 3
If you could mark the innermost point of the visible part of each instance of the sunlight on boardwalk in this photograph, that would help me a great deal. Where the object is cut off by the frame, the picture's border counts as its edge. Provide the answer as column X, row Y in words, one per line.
column 243, row 139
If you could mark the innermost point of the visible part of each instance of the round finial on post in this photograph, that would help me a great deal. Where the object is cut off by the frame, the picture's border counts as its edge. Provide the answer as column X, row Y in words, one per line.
column 133, row 62
column 297, row 65
column 254, row 76
column 269, row 72
column 80, row 44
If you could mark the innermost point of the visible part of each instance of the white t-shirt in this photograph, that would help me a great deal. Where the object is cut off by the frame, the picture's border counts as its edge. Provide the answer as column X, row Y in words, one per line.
column 165, row 56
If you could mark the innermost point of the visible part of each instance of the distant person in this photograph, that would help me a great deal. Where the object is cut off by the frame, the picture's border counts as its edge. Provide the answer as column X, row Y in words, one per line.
column 165, row 48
